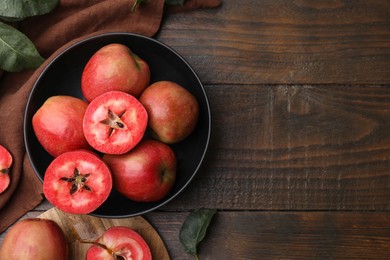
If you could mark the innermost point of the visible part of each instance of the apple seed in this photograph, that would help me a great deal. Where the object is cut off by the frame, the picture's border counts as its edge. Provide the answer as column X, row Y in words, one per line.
column 114, row 121
column 78, row 181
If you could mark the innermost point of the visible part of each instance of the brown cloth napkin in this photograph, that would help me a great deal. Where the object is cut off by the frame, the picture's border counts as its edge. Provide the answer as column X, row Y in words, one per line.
column 71, row 21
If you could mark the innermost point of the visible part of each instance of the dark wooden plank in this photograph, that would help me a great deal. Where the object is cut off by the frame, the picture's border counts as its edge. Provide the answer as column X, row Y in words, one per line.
column 283, row 235
column 284, row 42
column 295, row 148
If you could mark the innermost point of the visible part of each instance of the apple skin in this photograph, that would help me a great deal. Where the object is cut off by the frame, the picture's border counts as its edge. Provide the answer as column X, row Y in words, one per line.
column 34, row 238
column 119, row 241
column 114, row 67
column 146, row 173
column 173, row 111
column 58, row 124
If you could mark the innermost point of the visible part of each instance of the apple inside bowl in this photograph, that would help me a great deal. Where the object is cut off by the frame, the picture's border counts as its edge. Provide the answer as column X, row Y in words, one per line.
column 62, row 76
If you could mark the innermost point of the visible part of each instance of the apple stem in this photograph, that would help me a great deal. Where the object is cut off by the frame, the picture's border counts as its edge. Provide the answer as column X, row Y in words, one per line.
column 93, row 243
column 116, row 256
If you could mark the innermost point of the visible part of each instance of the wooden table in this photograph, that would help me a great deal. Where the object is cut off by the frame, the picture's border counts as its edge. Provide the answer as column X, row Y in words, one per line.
column 299, row 163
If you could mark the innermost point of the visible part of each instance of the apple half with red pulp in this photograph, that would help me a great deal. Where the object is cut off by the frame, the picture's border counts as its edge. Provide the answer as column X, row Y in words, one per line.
column 114, row 122
column 77, row 182
column 5, row 165
column 119, row 242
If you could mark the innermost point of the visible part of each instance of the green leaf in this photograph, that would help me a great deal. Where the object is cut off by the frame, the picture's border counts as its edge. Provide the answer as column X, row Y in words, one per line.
column 10, row 19
column 17, row 52
column 21, row 9
column 175, row 2
column 194, row 229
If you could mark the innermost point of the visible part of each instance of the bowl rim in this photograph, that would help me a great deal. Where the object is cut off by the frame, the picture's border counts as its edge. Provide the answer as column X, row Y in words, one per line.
column 126, row 34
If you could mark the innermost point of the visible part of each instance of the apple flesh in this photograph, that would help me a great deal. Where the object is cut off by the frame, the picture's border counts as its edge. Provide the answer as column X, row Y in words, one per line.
column 173, row 111
column 58, row 123
column 114, row 122
column 146, row 173
column 34, row 238
column 77, row 182
column 5, row 166
column 114, row 67
column 119, row 242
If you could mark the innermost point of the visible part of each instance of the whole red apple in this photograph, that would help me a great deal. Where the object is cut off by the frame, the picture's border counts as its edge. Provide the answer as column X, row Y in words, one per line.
column 146, row 173
column 5, row 165
column 34, row 238
column 114, row 67
column 173, row 111
column 119, row 242
column 58, row 124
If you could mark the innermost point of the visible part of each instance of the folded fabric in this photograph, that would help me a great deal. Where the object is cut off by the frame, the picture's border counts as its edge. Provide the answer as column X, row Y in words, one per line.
column 69, row 22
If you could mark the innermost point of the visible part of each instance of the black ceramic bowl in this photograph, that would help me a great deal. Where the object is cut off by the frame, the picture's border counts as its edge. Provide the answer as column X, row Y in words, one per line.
column 62, row 77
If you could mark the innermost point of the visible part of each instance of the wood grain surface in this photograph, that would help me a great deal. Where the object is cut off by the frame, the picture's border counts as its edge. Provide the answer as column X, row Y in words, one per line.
column 300, row 101
column 286, row 42
column 85, row 228
column 299, row 161
column 283, row 235
column 290, row 147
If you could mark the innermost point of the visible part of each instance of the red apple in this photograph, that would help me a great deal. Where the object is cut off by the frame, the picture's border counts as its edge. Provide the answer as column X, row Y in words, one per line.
column 58, row 124
column 146, row 173
column 114, row 67
column 173, row 111
column 77, row 182
column 5, row 166
column 114, row 122
column 34, row 238
column 119, row 242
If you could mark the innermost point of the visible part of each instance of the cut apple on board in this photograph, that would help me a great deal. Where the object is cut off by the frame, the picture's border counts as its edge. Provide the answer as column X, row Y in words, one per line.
column 119, row 243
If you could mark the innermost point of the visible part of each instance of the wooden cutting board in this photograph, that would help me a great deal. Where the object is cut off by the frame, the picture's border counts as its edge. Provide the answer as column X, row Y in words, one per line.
column 88, row 228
